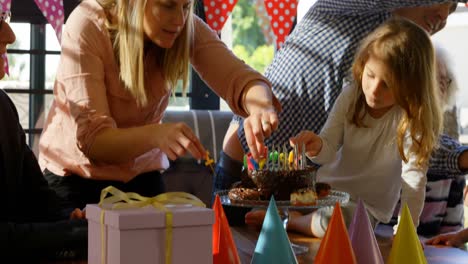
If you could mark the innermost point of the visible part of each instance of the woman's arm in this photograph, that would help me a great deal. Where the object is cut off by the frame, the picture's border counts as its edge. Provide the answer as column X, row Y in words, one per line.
column 246, row 91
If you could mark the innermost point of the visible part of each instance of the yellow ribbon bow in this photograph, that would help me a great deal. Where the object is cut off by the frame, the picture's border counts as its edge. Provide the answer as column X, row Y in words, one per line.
column 122, row 200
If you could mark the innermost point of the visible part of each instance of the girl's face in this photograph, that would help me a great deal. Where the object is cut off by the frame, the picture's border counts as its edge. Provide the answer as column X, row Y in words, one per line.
column 379, row 97
column 164, row 20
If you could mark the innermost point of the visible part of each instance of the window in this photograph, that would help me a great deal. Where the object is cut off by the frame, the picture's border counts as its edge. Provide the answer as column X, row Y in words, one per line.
column 250, row 41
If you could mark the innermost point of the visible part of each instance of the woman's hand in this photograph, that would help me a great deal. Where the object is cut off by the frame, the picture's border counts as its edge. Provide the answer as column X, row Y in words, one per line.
column 454, row 239
column 257, row 127
column 176, row 139
column 312, row 142
column 262, row 107
column 78, row 214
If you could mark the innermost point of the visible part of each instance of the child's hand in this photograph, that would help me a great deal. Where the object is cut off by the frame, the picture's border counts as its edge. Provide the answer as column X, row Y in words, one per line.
column 453, row 239
column 312, row 142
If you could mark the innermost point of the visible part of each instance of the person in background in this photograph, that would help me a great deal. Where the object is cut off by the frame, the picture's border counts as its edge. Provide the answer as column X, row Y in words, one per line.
column 448, row 88
column 33, row 225
column 308, row 72
column 121, row 61
column 452, row 239
column 443, row 208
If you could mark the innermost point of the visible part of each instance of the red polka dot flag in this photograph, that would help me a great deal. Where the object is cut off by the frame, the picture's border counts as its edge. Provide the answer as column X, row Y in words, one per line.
column 281, row 14
column 54, row 13
column 217, row 12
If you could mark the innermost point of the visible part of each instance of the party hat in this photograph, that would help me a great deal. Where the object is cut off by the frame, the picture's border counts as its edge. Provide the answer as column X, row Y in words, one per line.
column 363, row 239
column 224, row 248
column 273, row 246
column 335, row 247
column 406, row 246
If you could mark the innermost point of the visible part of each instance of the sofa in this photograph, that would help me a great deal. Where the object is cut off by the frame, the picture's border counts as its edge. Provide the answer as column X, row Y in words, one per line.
column 187, row 174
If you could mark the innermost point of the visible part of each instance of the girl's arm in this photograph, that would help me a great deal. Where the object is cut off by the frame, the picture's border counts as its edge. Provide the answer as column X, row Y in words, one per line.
column 413, row 185
column 333, row 131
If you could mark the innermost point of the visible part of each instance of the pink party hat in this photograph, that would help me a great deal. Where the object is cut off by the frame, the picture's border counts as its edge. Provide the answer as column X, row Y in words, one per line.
column 273, row 246
column 363, row 239
column 406, row 246
column 335, row 247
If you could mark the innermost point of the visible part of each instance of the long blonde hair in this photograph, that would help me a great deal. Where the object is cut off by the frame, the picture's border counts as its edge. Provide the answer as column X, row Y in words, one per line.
column 129, row 47
column 407, row 51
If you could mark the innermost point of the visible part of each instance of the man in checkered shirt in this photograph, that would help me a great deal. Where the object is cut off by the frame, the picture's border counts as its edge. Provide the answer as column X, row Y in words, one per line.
column 308, row 72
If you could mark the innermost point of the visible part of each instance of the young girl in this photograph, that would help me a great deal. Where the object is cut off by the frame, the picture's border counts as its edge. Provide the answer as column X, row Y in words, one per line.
column 384, row 125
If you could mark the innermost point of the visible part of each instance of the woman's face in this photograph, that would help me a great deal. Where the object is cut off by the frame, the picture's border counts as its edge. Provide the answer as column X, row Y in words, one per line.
column 379, row 97
column 164, row 20
column 6, row 37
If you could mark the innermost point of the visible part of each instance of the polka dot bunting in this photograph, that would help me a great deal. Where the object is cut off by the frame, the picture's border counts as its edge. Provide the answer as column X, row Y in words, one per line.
column 54, row 13
column 5, row 5
column 217, row 12
column 281, row 14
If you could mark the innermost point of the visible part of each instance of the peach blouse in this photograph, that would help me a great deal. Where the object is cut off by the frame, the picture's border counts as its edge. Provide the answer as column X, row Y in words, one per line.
column 89, row 96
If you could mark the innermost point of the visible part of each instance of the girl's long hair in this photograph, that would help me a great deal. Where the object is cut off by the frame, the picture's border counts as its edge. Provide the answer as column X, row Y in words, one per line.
column 128, row 37
column 407, row 51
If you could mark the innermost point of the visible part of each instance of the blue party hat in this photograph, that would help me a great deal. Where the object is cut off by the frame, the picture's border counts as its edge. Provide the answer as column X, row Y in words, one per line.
column 273, row 245
column 363, row 239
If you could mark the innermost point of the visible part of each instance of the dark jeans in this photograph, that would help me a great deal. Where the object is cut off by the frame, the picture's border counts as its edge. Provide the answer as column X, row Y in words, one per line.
column 76, row 191
column 227, row 172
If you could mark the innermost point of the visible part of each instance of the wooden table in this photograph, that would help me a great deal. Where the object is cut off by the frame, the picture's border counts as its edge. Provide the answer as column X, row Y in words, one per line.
column 246, row 237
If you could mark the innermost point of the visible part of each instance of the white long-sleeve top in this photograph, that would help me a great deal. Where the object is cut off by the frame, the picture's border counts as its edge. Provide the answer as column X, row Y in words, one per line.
column 365, row 162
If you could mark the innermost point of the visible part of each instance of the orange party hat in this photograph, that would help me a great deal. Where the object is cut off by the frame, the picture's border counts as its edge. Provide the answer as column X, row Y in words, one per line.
column 335, row 247
column 406, row 246
column 224, row 248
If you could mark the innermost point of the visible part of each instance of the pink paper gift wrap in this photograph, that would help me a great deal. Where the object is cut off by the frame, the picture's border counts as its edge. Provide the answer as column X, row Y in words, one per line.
column 139, row 235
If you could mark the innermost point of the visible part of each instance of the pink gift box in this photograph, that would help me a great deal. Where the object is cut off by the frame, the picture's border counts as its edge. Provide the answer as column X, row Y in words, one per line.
column 139, row 235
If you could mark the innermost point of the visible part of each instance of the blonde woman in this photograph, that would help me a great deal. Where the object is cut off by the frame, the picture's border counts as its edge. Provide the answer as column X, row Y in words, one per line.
column 120, row 62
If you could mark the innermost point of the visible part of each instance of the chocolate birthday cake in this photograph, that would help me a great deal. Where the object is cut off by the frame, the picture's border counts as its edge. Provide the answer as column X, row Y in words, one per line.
column 282, row 174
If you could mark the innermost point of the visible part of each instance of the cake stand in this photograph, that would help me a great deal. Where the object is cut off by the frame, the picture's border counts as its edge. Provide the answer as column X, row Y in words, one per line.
column 285, row 206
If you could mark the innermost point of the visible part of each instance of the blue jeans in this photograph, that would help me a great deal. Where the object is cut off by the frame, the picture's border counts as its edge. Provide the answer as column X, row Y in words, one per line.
column 227, row 172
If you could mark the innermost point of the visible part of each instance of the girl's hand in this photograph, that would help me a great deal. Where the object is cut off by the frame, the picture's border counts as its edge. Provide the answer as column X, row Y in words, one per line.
column 453, row 239
column 176, row 139
column 258, row 126
column 312, row 142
